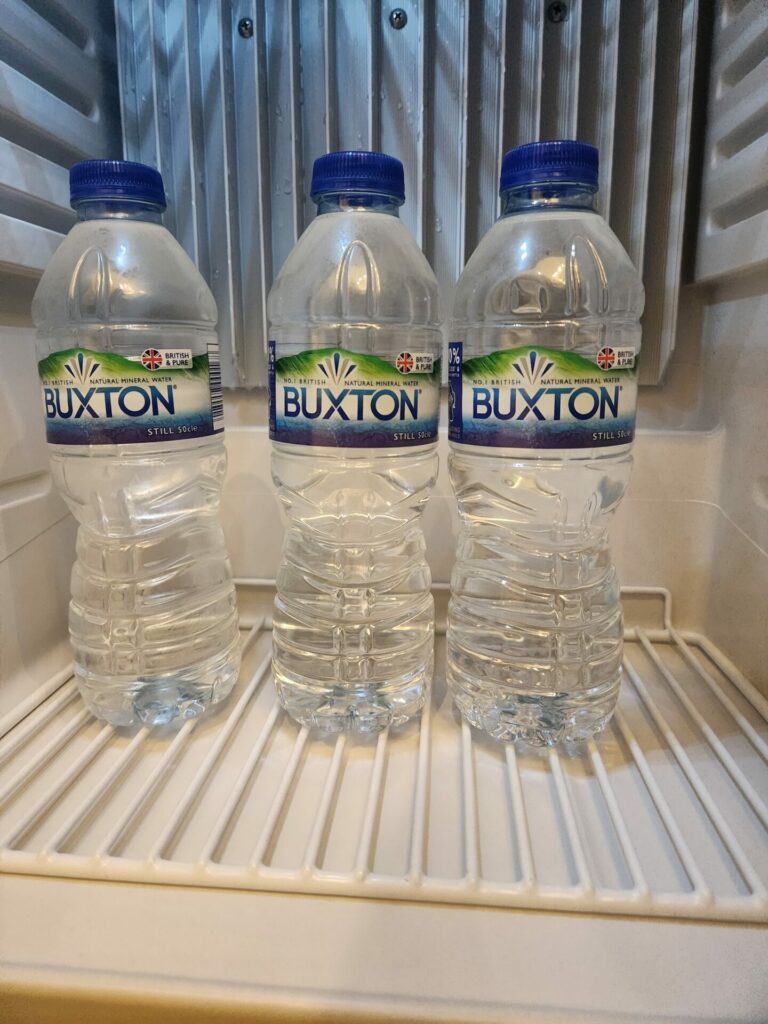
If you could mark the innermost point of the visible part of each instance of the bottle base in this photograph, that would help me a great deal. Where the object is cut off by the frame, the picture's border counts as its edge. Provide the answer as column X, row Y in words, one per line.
column 159, row 700
column 536, row 719
column 335, row 709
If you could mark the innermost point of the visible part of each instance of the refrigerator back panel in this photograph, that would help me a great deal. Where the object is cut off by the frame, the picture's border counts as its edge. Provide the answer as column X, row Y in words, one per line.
column 58, row 104
column 233, row 102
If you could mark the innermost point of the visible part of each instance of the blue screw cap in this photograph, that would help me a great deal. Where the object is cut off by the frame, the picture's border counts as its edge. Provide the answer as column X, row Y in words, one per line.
column 115, row 179
column 356, row 170
column 539, row 163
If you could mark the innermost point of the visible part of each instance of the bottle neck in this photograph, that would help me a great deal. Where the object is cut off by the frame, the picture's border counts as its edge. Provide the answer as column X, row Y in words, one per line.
column 357, row 202
column 116, row 209
column 564, row 196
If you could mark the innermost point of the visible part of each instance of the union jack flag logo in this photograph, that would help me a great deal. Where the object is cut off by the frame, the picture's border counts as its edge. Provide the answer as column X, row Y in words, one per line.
column 404, row 362
column 151, row 358
column 606, row 357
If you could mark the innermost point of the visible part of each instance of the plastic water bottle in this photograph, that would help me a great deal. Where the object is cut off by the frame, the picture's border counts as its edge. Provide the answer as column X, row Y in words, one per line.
column 354, row 367
column 543, row 391
column 132, row 402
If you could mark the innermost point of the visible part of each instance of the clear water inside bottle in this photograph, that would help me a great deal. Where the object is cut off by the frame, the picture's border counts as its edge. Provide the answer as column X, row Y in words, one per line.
column 353, row 617
column 153, row 619
column 535, row 622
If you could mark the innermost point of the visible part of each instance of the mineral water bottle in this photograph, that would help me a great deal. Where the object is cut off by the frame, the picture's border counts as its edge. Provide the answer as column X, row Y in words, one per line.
column 128, row 362
column 354, row 379
column 543, row 389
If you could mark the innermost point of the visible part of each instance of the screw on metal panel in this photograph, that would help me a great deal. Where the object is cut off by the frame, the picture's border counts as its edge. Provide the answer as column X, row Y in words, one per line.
column 245, row 27
column 398, row 18
column 557, row 12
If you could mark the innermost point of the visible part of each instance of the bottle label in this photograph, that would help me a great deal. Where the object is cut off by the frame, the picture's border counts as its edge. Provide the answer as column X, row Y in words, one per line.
column 538, row 398
column 162, row 394
column 334, row 398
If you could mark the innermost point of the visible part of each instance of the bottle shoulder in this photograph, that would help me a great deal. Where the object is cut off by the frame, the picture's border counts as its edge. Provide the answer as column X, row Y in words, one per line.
column 121, row 272
column 355, row 267
column 548, row 265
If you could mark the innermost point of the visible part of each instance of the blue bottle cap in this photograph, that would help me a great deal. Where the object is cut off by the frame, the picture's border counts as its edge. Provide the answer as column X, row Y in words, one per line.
column 539, row 163
column 357, row 170
column 115, row 179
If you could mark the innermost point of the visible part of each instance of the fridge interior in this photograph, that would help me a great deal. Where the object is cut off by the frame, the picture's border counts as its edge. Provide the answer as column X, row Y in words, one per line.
column 242, row 866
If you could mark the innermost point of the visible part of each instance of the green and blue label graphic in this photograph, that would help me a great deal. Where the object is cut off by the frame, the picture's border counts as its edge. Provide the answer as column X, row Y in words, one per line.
column 538, row 398
column 332, row 397
column 161, row 394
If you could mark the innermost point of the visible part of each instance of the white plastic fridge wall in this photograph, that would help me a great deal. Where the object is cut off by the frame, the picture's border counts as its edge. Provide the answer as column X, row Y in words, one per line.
column 102, row 912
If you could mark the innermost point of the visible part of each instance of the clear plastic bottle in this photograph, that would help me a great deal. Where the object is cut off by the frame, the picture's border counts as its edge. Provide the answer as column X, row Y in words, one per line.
column 132, row 403
column 354, row 362
column 543, row 390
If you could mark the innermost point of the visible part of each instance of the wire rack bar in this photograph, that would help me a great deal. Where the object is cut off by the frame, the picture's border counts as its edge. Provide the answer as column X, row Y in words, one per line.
column 471, row 839
column 617, row 818
column 372, row 805
column 522, row 832
column 421, row 798
column 569, row 817
column 267, row 832
column 239, row 787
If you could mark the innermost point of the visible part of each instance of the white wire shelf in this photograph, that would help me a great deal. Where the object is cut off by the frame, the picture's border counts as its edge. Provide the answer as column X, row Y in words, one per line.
column 665, row 816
